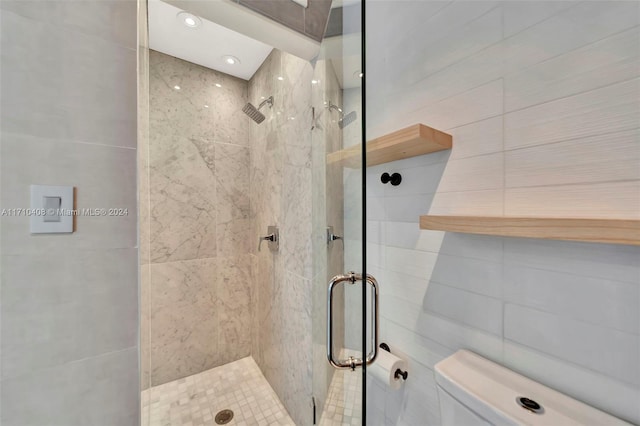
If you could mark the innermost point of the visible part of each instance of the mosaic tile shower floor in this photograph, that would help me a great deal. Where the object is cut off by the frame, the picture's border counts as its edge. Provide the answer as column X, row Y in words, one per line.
column 195, row 400
column 343, row 405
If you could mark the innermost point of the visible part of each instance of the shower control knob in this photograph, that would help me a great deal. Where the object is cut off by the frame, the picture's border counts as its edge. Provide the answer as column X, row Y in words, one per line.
column 395, row 178
column 272, row 238
column 331, row 237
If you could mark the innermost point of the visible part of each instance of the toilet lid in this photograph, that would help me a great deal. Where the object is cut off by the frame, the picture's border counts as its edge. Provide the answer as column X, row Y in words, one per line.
column 504, row 396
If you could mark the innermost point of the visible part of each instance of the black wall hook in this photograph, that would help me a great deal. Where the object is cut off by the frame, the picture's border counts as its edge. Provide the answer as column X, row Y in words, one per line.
column 395, row 178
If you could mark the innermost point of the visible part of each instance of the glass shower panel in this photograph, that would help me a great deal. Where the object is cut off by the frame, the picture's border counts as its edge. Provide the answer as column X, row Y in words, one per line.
column 338, row 220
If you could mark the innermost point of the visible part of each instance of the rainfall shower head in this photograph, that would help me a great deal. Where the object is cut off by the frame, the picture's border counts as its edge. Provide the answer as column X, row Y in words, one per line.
column 345, row 119
column 254, row 113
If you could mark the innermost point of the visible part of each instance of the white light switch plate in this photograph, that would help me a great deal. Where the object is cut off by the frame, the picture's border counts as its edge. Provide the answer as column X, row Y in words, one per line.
column 44, row 220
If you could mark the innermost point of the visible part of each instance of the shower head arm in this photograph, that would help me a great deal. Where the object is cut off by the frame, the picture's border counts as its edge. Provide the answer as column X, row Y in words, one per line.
column 335, row 107
column 268, row 101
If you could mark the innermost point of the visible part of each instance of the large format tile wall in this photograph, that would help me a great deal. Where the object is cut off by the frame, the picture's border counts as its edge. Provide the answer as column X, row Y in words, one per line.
column 281, row 195
column 542, row 100
column 196, row 276
column 69, row 302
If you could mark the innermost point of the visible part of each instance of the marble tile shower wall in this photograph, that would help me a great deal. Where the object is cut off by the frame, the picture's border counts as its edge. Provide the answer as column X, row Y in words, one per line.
column 69, row 303
column 328, row 207
column 542, row 99
column 197, row 286
column 281, row 195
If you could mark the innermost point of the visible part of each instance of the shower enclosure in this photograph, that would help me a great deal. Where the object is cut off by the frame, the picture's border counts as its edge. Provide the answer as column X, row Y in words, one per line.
column 249, row 227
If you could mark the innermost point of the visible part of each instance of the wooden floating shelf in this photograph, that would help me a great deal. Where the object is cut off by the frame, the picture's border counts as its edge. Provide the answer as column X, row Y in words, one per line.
column 409, row 142
column 610, row 231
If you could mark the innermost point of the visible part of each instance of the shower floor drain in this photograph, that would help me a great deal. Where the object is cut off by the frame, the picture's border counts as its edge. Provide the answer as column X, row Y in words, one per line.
column 223, row 417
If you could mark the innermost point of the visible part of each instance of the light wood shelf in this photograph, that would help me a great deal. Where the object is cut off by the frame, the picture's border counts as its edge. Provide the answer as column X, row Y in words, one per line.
column 409, row 142
column 610, row 231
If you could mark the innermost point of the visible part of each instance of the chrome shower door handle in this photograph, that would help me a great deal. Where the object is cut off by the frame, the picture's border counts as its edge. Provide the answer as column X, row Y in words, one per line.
column 352, row 362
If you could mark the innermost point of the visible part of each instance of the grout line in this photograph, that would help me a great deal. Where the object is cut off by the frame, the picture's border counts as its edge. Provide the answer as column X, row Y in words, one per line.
column 46, row 140
column 615, row 132
column 40, row 370
column 590, row 90
column 573, row 364
column 570, row 317
column 580, row 184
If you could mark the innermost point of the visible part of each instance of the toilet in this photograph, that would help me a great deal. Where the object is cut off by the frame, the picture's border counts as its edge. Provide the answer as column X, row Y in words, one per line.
column 475, row 391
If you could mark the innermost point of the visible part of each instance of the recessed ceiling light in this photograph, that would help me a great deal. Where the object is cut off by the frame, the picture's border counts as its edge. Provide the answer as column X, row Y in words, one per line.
column 206, row 106
column 176, row 87
column 189, row 20
column 231, row 60
column 218, row 85
column 358, row 73
column 280, row 78
column 315, row 81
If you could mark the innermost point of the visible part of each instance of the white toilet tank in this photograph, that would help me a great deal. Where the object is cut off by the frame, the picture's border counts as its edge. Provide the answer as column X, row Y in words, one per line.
column 476, row 391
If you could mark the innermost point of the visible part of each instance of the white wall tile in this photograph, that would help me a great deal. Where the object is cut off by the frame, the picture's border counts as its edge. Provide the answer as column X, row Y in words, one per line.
column 104, row 177
column 462, row 108
column 480, row 247
column 602, row 63
column 474, row 310
column 376, row 232
column 524, row 14
column 608, row 262
column 444, row 25
column 456, row 44
column 411, row 15
column 376, row 256
column 411, row 262
column 468, row 203
column 610, row 157
column 426, row 351
column 457, row 336
column 483, row 137
column 611, row 352
column 375, row 208
column 602, row 111
column 415, row 180
column 69, row 302
column 473, row 174
column 476, row 275
column 64, row 306
column 614, row 200
column 102, row 390
column 429, row 240
column 404, row 235
column 602, row 302
column 403, row 286
column 113, row 21
column 474, row 105
column 466, row 74
column 52, row 77
column 574, row 27
column 406, row 208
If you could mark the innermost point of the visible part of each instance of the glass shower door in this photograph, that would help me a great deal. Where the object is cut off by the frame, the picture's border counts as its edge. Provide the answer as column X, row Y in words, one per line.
column 344, row 299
